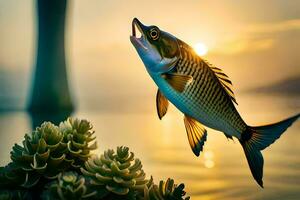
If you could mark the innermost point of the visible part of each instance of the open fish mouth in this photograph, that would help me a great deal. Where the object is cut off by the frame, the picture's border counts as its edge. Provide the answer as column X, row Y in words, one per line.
column 136, row 24
column 138, row 33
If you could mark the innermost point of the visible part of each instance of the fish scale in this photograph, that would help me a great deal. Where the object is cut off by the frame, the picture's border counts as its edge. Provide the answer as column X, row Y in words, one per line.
column 206, row 95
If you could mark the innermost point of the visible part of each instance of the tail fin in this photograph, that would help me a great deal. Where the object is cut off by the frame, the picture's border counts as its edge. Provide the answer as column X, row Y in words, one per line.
column 255, row 139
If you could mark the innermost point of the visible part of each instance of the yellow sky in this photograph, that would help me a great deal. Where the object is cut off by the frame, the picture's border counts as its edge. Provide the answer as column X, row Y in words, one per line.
column 247, row 39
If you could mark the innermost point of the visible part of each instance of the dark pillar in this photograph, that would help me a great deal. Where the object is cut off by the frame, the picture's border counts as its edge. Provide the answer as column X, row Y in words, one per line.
column 50, row 90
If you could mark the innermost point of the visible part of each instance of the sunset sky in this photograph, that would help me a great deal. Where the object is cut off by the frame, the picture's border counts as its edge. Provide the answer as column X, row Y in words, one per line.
column 255, row 42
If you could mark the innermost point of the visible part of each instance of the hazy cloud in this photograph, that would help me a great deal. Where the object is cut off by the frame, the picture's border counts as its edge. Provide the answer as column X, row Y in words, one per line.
column 257, row 37
column 281, row 26
column 244, row 45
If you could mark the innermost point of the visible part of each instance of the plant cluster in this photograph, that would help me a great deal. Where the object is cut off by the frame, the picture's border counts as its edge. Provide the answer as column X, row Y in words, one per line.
column 55, row 162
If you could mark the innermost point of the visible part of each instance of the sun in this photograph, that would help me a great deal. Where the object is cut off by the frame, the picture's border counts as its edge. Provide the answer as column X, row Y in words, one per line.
column 201, row 49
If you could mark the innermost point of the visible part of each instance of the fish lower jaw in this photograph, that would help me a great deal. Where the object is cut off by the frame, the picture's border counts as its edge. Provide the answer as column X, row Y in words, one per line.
column 137, row 42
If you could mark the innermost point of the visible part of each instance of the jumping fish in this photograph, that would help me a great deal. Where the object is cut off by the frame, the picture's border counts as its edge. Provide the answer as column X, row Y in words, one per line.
column 202, row 92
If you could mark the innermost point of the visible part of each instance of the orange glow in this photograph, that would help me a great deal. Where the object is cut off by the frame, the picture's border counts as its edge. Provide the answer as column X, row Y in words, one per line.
column 201, row 49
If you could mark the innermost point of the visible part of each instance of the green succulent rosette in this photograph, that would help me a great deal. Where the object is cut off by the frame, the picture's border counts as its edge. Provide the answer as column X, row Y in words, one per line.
column 69, row 185
column 116, row 174
column 49, row 150
column 78, row 135
column 166, row 190
column 43, row 155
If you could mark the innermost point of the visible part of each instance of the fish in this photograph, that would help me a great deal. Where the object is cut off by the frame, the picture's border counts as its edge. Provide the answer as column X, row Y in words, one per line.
column 203, row 93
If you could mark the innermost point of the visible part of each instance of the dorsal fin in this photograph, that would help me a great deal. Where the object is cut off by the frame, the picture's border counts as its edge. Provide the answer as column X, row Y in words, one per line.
column 224, row 80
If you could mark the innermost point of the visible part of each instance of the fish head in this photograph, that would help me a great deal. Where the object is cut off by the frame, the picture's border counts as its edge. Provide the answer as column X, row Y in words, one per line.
column 158, row 49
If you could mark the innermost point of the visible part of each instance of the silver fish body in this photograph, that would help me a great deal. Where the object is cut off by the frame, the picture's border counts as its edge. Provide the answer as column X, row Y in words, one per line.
column 204, row 98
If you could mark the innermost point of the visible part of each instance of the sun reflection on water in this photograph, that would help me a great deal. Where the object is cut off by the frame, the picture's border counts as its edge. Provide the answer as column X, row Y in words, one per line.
column 208, row 159
column 209, row 164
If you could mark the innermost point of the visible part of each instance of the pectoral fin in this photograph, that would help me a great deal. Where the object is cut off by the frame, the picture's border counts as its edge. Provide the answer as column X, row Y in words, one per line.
column 178, row 81
column 196, row 134
column 162, row 104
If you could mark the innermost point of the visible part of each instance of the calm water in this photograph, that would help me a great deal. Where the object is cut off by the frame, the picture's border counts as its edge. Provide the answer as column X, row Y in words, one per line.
column 221, row 171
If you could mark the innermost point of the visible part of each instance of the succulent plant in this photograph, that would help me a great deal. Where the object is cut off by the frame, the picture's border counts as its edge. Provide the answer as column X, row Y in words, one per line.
column 164, row 191
column 69, row 185
column 77, row 135
column 59, row 157
column 49, row 150
column 14, row 195
column 42, row 155
column 116, row 174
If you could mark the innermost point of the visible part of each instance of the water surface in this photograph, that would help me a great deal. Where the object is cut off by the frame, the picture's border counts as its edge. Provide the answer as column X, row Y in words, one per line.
column 221, row 171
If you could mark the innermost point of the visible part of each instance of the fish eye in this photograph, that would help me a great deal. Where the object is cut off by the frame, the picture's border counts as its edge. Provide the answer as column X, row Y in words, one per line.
column 154, row 33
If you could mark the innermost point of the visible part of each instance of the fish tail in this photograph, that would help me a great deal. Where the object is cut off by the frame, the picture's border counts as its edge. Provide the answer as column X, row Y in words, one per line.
column 257, row 138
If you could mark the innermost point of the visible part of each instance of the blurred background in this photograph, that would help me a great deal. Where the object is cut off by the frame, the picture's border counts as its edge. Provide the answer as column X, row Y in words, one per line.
column 64, row 58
